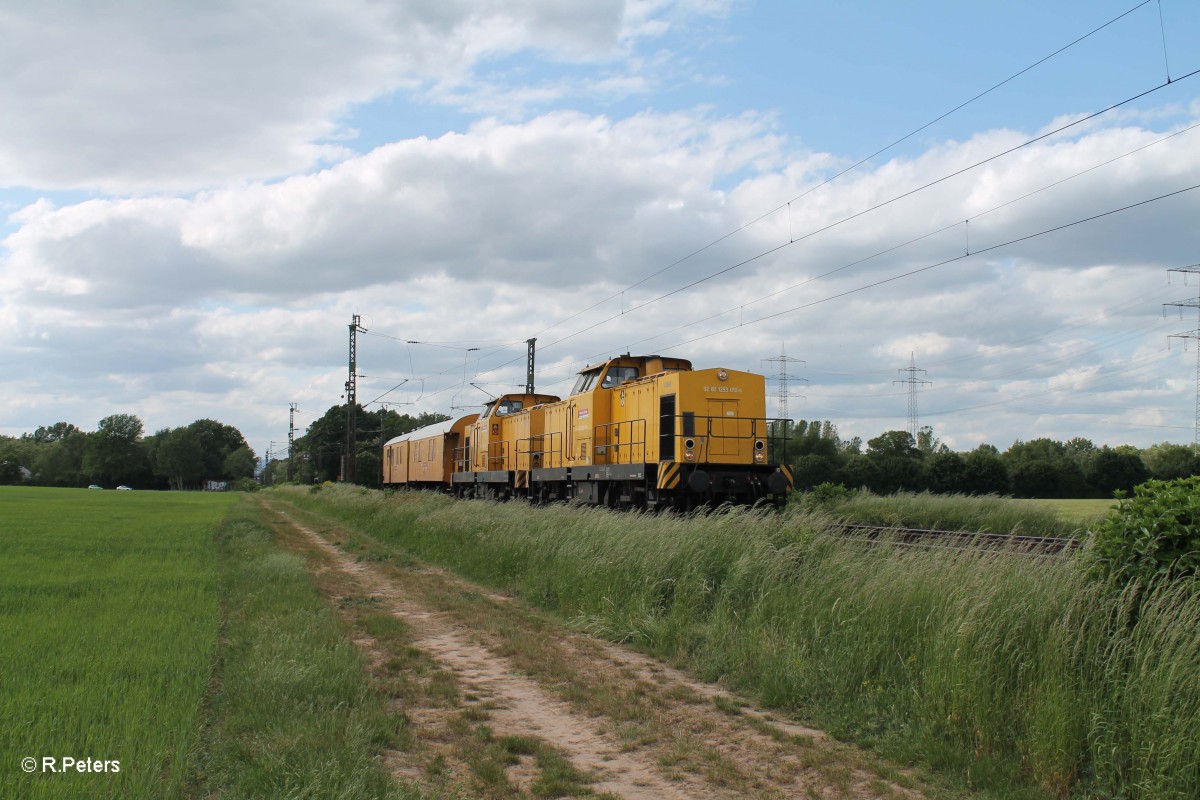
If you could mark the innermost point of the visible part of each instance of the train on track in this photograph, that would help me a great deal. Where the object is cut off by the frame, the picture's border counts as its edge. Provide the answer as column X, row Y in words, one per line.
column 644, row 432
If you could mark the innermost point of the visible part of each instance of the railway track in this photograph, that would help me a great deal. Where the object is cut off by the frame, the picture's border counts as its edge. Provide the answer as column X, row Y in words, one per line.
column 962, row 540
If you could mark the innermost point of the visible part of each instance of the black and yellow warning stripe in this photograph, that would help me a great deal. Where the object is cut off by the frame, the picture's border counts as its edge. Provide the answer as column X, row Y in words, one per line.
column 668, row 475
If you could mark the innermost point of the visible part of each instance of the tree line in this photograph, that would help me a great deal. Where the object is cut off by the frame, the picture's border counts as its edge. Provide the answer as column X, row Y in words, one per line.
column 317, row 455
column 117, row 452
column 1038, row 468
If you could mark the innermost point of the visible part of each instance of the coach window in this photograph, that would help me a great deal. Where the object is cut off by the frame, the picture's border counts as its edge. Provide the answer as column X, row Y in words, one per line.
column 618, row 375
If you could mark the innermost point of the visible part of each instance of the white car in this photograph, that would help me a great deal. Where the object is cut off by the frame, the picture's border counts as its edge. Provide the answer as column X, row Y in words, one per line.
column 124, row 489
column 94, row 486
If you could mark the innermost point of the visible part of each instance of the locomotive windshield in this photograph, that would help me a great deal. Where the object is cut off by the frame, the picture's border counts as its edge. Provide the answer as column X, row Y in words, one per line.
column 509, row 407
column 586, row 379
column 618, row 375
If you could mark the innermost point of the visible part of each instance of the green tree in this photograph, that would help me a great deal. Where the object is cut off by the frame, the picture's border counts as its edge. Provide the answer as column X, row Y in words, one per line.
column 859, row 471
column 815, row 452
column 898, row 463
column 319, row 452
column 60, row 462
column 54, row 433
column 179, row 457
column 1168, row 461
column 984, row 471
column 1116, row 470
column 10, row 462
column 1042, row 468
column 241, row 463
column 929, row 444
column 113, row 453
column 216, row 441
column 946, row 473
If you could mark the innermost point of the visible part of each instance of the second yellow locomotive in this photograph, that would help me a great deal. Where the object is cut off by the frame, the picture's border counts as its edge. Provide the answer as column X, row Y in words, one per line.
column 636, row 431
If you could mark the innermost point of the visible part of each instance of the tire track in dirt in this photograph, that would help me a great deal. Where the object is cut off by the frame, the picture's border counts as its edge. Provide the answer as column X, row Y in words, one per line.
column 524, row 708
column 773, row 758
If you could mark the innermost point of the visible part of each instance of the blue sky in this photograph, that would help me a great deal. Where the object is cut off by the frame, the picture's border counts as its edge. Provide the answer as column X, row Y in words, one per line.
column 195, row 200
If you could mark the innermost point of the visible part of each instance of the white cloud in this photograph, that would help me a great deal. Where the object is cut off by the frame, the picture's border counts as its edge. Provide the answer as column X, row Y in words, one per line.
column 130, row 97
column 223, row 287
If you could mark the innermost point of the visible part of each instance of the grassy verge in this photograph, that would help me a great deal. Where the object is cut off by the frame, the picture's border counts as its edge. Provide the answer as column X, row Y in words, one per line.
column 108, row 623
column 1017, row 674
column 990, row 513
column 293, row 713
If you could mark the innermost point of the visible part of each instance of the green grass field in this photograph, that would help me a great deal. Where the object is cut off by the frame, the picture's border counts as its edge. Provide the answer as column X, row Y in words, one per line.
column 1020, row 675
column 169, row 633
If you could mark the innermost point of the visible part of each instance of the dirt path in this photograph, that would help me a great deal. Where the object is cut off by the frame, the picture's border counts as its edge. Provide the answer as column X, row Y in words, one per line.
column 638, row 728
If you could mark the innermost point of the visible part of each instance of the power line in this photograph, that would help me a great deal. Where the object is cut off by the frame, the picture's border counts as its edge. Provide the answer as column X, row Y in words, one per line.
column 851, row 168
column 855, row 216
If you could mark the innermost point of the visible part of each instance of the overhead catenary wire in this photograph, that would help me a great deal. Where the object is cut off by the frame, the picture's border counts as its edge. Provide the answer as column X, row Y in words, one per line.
column 762, row 254
column 501, row 347
column 850, row 168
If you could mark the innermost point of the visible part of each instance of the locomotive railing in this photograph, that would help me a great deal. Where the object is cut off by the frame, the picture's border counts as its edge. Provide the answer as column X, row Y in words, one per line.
column 717, row 437
column 625, row 442
column 497, row 455
column 536, row 448
column 621, row 442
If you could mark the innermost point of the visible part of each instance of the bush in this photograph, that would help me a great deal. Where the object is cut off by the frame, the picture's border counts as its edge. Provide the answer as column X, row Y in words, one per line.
column 826, row 495
column 1154, row 533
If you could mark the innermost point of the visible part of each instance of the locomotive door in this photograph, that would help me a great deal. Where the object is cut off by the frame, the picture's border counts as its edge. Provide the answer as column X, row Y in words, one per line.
column 722, row 428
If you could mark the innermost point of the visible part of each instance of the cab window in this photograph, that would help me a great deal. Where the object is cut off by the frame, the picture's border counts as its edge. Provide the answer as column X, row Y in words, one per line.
column 585, row 381
column 509, row 407
column 618, row 375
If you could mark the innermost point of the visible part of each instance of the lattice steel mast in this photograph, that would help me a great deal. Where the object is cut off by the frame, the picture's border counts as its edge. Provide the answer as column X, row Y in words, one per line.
column 350, row 455
column 1192, row 270
column 783, row 360
column 914, row 384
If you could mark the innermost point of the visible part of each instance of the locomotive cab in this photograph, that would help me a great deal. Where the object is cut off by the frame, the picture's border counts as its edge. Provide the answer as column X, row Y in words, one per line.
column 649, row 431
column 487, row 467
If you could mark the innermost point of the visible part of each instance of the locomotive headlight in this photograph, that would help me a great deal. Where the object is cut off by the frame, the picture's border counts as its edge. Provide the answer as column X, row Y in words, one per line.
column 689, row 444
column 759, row 444
column 689, row 455
column 759, row 458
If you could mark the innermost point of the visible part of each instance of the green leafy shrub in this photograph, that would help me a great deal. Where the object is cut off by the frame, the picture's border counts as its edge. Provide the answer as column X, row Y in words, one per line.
column 1154, row 533
column 827, row 495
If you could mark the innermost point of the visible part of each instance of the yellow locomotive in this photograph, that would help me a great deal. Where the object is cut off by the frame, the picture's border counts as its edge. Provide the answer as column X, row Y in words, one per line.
column 636, row 431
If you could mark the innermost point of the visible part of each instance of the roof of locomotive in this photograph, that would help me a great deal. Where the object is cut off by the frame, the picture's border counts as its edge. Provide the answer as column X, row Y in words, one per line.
column 437, row 429
column 682, row 364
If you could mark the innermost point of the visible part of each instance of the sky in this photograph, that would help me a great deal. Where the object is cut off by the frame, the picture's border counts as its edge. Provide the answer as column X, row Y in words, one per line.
column 196, row 199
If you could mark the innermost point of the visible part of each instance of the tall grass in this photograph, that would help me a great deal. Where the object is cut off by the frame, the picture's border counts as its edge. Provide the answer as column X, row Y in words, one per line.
column 989, row 513
column 108, row 623
column 1017, row 673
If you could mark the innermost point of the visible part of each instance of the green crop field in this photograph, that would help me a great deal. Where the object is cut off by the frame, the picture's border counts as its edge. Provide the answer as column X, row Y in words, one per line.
column 160, row 644
column 108, row 618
